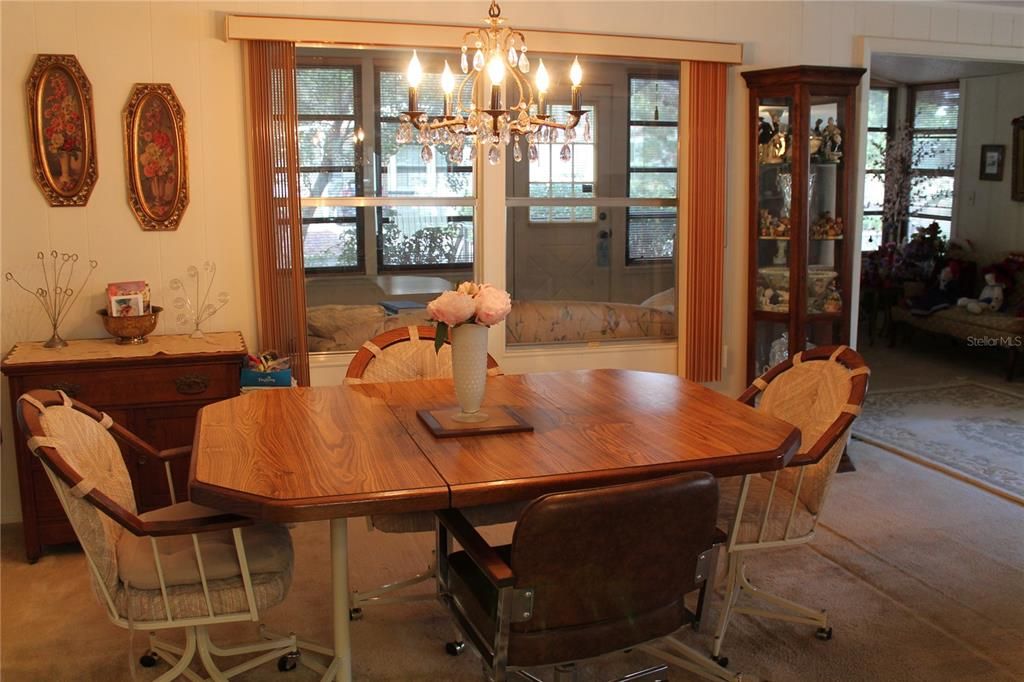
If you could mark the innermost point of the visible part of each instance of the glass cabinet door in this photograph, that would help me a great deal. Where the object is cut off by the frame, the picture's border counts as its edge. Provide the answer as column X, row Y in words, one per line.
column 827, row 223
column 774, row 196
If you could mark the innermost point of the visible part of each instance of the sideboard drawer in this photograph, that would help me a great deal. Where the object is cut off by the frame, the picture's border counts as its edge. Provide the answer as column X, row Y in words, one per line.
column 112, row 387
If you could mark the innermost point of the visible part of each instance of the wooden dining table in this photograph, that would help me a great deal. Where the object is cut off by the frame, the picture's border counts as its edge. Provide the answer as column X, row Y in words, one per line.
column 305, row 454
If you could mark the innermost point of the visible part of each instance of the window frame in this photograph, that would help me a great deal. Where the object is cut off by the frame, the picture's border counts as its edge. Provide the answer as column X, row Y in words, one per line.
column 303, row 62
column 889, row 130
column 912, row 94
column 630, row 168
column 389, row 65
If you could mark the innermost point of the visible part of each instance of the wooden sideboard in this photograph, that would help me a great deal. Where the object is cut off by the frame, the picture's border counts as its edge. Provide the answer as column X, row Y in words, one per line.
column 153, row 389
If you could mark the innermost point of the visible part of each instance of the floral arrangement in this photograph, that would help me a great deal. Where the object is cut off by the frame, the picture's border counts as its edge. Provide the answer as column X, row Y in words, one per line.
column 471, row 303
column 158, row 157
column 63, row 120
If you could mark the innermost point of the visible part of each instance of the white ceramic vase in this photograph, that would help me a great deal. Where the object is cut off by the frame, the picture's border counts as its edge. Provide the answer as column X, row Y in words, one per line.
column 469, row 369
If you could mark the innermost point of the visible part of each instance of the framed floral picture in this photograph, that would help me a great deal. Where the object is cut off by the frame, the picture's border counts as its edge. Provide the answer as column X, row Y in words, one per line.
column 60, row 111
column 155, row 154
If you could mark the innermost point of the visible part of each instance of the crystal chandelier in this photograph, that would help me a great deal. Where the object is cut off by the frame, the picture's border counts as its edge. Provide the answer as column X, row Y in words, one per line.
column 493, row 47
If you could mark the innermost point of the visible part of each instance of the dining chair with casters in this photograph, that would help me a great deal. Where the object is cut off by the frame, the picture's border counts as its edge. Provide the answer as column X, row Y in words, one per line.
column 408, row 354
column 588, row 573
column 820, row 391
column 181, row 566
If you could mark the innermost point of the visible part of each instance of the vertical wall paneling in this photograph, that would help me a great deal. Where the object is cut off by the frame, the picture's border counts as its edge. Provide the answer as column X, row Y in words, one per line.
column 705, row 158
column 276, row 225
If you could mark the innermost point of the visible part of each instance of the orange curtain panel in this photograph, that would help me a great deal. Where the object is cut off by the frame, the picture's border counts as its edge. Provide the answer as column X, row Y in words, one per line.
column 276, row 214
column 701, row 358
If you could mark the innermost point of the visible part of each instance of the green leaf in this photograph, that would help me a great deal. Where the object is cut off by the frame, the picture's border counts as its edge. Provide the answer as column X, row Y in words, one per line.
column 441, row 336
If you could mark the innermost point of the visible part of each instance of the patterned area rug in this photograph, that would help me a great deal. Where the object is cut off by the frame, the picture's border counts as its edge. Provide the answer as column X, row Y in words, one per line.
column 972, row 431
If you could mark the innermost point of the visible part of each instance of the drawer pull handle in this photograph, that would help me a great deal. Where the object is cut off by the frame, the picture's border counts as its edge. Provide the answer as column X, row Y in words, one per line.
column 191, row 384
column 70, row 389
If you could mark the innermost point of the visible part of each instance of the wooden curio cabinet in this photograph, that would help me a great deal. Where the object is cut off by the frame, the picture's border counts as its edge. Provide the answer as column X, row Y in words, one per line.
column 802, row 170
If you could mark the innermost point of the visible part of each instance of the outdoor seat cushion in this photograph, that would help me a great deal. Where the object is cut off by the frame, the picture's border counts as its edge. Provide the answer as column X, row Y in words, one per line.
column 268, row 550
column 754, row 509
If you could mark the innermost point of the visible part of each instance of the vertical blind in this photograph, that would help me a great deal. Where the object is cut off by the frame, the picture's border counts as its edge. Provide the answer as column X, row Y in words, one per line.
column 276, row 213
column 701, row 350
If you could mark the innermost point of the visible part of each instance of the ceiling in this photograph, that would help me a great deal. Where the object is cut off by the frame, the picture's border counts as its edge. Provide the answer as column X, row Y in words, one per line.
column 898, row 68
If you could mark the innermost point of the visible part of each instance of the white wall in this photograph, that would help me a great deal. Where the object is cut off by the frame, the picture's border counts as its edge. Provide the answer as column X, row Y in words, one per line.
column 120, row 43
column 985, row 213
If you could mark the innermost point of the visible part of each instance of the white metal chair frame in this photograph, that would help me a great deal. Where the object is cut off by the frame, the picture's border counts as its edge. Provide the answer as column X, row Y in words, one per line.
column 66, row 480
column 826, row 451
column 370, row 352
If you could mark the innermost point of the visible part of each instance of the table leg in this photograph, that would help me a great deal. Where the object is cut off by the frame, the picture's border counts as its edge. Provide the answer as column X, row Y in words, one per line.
column 339, row 585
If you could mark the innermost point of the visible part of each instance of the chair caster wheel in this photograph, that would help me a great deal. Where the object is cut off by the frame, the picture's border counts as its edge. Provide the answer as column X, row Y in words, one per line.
column 455, row 648
column 721, row 660
column 824, row 634
column 355, row 613
column 288, row 662
column 148, row 660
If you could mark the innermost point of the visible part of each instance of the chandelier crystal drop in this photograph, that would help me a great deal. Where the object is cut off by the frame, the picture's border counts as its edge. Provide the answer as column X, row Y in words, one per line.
column 501, row 53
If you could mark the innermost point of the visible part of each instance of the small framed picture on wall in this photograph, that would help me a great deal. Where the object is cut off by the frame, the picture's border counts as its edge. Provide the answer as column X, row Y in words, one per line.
column 992, row 161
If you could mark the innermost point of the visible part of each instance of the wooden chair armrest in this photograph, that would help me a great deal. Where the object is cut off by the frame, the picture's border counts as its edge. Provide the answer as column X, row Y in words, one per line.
column 169, row 454
column 483, row 555
column 202, row 524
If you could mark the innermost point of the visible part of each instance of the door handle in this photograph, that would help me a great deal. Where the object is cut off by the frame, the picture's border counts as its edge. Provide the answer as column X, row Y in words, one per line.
column 604, row 234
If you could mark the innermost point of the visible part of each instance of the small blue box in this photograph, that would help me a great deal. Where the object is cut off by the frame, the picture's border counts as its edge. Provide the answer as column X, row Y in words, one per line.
column 280, row 377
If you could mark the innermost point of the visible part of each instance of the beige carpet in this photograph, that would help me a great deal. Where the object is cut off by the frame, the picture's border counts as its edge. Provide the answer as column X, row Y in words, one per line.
column 965, row 428
column 922, row 574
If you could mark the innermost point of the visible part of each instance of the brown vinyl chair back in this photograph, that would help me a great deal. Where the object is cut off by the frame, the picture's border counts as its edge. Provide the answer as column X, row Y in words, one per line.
column 404, row 354
column 821, row 392
column 609, row 567
column 84, row 463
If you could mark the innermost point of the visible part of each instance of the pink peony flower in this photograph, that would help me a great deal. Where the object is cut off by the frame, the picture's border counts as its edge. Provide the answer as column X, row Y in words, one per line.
column 492, row 305
column 452, row 308
column 470, row 288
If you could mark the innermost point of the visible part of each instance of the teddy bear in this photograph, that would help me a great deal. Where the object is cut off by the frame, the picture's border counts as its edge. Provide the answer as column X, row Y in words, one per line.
column 991, row 297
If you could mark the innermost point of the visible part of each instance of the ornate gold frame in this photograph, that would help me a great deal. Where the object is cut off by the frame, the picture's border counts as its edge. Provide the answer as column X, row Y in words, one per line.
column 63, row 188
column 158, row 201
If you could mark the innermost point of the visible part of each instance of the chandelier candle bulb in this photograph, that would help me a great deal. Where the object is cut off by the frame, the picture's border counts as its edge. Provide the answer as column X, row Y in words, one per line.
column 414, row 75
column 543, row 82
column 576, row 76
column 496, row 72
column 448, row 85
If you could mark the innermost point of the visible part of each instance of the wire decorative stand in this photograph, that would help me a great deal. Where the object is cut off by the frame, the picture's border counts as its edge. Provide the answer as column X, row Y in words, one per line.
column 196, row 312
column 58, row 296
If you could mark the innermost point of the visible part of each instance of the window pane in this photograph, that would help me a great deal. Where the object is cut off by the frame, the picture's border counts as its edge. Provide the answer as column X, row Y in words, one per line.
column 653, row 146
column 394, row 90
column 937, row 108
column 425, row 235
column 871, row 233
column 331, row 239
column 932, row 196
column 552, row 176
column 934, row 152
column 876, row 150
column 944, row 225
column 878, row 109
column 652, row 185
column 403, row 173
column 652, row 232
column 327, row 185
column 653, row 99
column 325, row 90
column 874, row 191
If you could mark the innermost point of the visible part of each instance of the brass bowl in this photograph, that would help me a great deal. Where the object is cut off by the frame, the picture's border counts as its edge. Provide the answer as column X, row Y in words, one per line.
column 131, row 329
